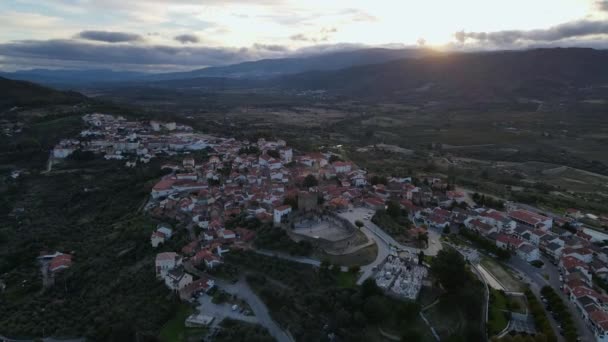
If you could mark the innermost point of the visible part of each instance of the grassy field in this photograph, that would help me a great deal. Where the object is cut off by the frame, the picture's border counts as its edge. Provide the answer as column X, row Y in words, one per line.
column 497, row 319
column 502, row 275
column 347, row 279
column 175, row 330
column 361, row 257
column 447, row 321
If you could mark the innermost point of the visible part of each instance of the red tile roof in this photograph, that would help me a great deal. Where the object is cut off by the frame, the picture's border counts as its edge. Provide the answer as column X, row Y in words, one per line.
column 60, row 262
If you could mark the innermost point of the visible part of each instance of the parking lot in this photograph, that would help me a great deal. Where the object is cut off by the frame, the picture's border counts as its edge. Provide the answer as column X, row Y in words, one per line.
column 221, row 311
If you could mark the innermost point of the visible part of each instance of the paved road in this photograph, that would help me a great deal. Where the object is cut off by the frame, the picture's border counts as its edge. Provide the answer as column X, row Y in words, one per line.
column 370, row 231
column 384, row 241
column 359, row 213
column 534, row 277
column 243, row 291
column 221, row 311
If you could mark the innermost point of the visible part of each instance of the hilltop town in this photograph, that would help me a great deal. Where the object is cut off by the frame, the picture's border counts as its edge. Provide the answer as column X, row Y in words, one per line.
column 226, row 195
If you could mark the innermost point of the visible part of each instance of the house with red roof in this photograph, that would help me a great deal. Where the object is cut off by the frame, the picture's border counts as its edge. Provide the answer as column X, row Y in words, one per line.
column 583, row 254
column 342, row 167
column 374, row 203
column 570, row 264
column 479, row 226
column 166, row 261
column 60, row 262
column 205, row 256
column 598, row 321
column 508, row 242
column 164, row 187
column 196, row 287
column 531, row 219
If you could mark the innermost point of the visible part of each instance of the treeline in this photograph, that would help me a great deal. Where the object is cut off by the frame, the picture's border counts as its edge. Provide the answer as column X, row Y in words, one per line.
column 239, row 331
column 277, row 239
column 393, row 222
column 487, row 245
column 540, row 318
column 312, row 305
column 487, row 201
column 561, row 313
column 463, row 295
column 269, row 237
column 110, row 293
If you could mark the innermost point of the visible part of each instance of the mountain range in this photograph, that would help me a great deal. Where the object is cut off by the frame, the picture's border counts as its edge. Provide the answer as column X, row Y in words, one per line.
column 261, row 69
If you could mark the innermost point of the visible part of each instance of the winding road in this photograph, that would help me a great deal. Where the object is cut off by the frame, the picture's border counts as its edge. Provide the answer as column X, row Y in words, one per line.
column 243, row 291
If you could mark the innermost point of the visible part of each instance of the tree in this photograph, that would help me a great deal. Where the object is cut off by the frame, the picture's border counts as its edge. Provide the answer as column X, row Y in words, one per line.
column 310, row 181
column 334, row 158
column 420, row 257
column 423, row 238
column 446, row 230
column 273, row 153
column 293, row 202
column 449, row 267
column 359, row 224
column 370, row 288
column 375, row 309
column 393, row 209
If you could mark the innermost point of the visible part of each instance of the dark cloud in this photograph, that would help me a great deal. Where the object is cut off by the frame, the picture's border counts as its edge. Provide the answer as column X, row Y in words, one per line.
column 138, row 56
column 602, row 5
column 187, row 38
column 574, row 29
column 109, row 37
column 71, row 50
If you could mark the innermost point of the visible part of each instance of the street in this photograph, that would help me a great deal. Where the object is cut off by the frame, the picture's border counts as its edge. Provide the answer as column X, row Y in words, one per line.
column 534, row 277
column 384, row 241
column 243, row 291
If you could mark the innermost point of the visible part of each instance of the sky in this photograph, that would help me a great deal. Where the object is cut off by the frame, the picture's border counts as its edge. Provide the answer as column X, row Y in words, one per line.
column 168, row 35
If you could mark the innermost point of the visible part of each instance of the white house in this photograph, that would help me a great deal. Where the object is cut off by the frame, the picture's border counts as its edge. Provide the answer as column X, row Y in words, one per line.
column 227, row 234
column 165, row 262
column 281, row 211
column 165, row 230
column 157, row 238
column 286, row 155
column 528, row 252
column 176, row 279
column 342, row 167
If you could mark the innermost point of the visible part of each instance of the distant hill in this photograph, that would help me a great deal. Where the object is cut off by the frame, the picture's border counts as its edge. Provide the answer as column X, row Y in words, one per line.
column 535, row 73
column 22, row 93
column 262, row 69
column 268, row 68
column 66, row 78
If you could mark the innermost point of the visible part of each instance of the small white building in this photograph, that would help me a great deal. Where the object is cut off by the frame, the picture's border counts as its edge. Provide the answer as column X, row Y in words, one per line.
column 176, row 279
column 280, row 212
column 528, row 252
column 165, row 262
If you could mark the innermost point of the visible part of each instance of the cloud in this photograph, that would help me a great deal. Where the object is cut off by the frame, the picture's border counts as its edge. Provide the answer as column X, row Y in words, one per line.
column 573, row 29
column 270, row 47
column 110, row 37
column 70, row 53
column 602, row 5
column 187, row 38
column 322, row 36
column 73, row 54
